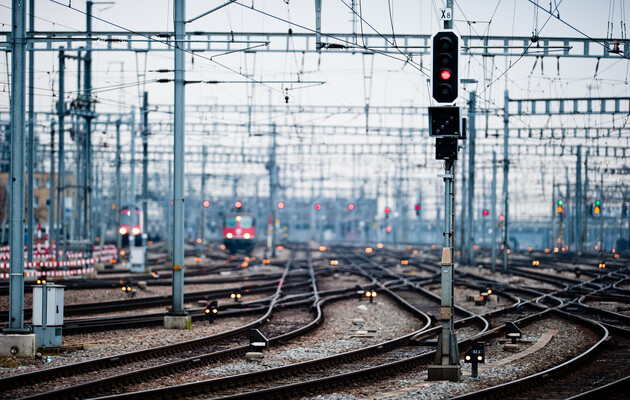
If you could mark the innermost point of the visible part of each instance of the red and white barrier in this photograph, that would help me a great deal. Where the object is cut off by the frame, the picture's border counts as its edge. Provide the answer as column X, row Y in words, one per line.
column 59, row 273
column 43, row 259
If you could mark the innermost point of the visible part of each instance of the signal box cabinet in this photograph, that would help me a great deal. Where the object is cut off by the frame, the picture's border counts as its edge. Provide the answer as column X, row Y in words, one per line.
column 54, row 305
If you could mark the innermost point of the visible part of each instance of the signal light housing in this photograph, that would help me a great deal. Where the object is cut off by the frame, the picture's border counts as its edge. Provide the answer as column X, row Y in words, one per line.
column 445, row 77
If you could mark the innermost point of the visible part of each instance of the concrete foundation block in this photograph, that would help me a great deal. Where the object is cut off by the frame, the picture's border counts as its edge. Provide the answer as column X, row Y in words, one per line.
column 253, row 356
column 19, row 345
column 451, row 373
column 177, row 322
column 510, row 347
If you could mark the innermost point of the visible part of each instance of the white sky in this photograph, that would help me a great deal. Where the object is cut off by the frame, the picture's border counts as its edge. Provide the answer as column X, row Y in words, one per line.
column 393, row 83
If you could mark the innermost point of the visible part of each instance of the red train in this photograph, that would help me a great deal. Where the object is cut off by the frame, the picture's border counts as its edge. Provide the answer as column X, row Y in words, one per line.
column 130, row 224
column 239, row 231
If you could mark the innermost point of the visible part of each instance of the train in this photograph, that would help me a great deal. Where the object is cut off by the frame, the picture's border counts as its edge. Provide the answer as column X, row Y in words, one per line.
column 131, row 221
column 239, row 231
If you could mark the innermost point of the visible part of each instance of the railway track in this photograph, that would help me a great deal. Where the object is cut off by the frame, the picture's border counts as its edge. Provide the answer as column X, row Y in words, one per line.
column 412, row 352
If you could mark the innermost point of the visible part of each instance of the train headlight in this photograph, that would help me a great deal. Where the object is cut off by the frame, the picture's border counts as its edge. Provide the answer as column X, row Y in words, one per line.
column 229, row 235
column 135, row 231
column 123, row 230
column 247, row 235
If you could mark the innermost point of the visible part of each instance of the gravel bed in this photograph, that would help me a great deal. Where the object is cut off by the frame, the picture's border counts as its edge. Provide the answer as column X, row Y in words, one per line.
column 511, row 279
column 89, row 346
column 569, row 340
column 614, row 306
column 334, row 336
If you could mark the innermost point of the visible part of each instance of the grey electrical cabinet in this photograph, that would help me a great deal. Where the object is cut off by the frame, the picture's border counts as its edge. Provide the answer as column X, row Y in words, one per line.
column 48, row 314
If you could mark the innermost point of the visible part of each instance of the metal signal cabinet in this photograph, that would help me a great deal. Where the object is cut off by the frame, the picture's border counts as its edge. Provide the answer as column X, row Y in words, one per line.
column 48, row 314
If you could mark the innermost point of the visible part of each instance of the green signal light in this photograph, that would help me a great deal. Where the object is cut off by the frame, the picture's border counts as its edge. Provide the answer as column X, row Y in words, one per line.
column 597, row 202
column 560, row 202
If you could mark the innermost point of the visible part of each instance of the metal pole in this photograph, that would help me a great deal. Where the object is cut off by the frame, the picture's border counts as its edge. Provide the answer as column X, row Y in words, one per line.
column 493, row 224
column 145, row 170
column 273, row 190
column 169, row 208
column 118, row 185
column 51, row 198
column 178, row 153
column 585, row 224
column 447, row 352
column 16, row 183
column 202, row 217
column 471, row 179
column 506, row 169
column 61, row 181
column 31, row 124
column 87, row 86
column 132, row 172
column 318, row 25
column 579, row 207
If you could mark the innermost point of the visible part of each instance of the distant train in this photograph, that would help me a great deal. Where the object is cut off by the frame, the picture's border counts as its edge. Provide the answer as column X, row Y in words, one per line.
column 239, row 231
column 131, row 220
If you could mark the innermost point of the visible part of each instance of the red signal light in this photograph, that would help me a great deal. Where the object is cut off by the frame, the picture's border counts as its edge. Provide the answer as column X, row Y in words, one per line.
column 417, row 207
column 387, row 210
column 445, row 74
column 350, row 206
column 238, row 204
column 281, row 205
column 485, row 213
column 318, row 206
column 388, row 229
column 501, row 217
column 206, row 203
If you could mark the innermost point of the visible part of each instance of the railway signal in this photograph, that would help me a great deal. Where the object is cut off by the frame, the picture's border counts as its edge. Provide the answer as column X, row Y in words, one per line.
column 560, row 207
column 445, row 77
column 597, row 209
column 370, row 294
column 211, row 310
column 475, row 356
column 236, row 295
column 417, row 208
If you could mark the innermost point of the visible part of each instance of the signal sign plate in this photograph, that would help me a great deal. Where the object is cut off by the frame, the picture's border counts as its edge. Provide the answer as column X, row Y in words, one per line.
column 445, row 121
column 446, row 14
